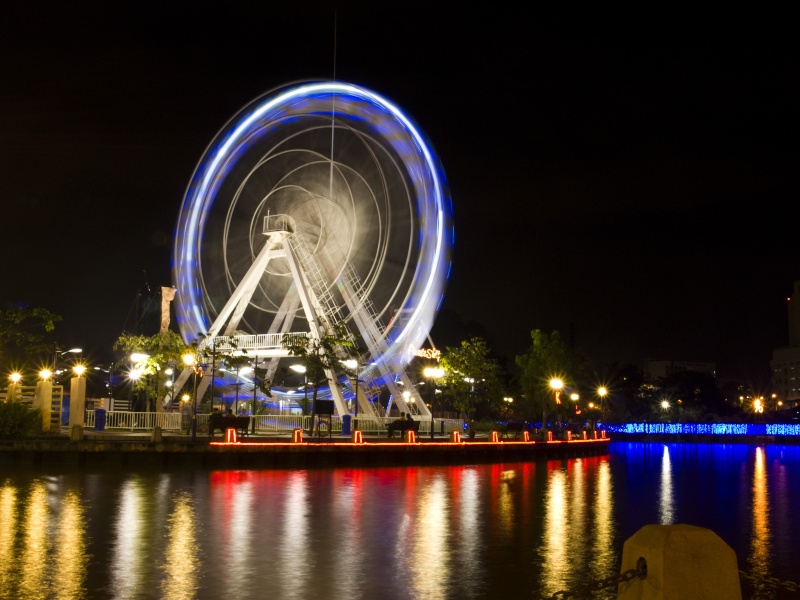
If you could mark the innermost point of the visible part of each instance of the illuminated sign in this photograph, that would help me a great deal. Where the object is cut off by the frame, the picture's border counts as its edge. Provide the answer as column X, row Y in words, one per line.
column 429, row 353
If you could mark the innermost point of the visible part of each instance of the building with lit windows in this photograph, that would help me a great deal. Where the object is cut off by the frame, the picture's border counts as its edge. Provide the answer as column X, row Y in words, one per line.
column 656, row 368
column 785, row 361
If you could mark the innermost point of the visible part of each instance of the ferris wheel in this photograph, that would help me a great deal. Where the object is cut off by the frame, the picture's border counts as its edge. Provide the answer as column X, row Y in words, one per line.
column 318, row 202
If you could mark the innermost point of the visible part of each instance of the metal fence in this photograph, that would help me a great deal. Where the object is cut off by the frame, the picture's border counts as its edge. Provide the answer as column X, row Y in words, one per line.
column 265, row 424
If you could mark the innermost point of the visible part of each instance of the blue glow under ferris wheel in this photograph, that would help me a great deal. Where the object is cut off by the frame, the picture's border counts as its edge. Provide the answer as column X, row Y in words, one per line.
column 318, row 202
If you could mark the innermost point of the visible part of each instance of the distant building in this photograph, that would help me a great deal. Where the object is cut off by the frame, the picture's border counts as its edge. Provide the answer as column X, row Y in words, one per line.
column 657, row 368
column 785, row 361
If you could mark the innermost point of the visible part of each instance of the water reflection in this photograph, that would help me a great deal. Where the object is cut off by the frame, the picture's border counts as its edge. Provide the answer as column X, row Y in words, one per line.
column 130, row 544
column 294, row 535
column 760, row 548
column 8, row 531
column 466, row 490
column 602, row 547
column 33, row 562
column 578, row 523
column 70, row 560
column 666, row 501
column 181, row 559
column 469, row 532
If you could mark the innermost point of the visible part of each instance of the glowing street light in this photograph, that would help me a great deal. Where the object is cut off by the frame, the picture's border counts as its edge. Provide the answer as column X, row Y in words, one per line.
column 304, row 371
column 191, row 362
column 556, row 384
column 433, row 373
column 14, row 391
column 602, row 392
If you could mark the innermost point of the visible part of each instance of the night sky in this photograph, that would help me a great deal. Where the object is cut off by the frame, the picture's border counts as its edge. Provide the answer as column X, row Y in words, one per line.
column 627, row 179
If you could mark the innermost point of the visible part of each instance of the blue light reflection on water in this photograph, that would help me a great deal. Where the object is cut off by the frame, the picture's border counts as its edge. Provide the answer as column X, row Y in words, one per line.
column 478, row 531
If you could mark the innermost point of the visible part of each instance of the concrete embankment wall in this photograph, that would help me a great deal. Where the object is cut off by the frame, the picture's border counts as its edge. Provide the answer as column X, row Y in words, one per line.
column 135, row 454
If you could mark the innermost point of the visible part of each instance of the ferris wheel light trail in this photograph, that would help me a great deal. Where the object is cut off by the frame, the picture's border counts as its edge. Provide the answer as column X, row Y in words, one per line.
column 396, row 146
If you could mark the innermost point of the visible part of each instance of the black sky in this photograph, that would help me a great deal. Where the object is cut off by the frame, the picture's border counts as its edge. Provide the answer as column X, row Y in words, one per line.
column 629, row 177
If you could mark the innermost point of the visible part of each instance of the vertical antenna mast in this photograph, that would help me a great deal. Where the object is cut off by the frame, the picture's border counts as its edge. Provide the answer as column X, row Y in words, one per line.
column 333, row 108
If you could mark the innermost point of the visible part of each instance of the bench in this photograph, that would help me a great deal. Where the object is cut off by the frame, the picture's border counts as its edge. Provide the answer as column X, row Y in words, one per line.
column 515, row 427
column 403, row 425
column 223, row 422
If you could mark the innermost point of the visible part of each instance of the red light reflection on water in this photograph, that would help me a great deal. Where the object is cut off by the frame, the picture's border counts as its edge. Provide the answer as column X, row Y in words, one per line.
column 421, row 523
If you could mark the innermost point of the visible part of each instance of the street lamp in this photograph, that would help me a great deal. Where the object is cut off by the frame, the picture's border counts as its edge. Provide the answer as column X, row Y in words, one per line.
column 302, row 369
column 602, row 392
column 433, row 373
column 191, row 362
column 509, row 401
column 57, row 353
column 242, row 371
column 556, row 385
column 13, row 389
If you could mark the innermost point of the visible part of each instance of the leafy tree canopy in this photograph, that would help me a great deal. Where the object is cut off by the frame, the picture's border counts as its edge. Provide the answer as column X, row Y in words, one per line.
column 472, row 377
column 547, row 358
column 23, row 334
column 318, row 355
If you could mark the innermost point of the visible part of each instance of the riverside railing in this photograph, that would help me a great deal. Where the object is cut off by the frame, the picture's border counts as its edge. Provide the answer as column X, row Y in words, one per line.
column 265, row 424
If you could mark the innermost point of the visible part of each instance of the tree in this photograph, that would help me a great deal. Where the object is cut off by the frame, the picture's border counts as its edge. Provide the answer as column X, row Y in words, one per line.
column 472, row 378
column 162, row 350
column 320, row 355
column 547, row 358
column 23, row 334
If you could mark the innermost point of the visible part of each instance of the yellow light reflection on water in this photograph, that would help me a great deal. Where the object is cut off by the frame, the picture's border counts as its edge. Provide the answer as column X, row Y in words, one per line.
column 761, row 539
column 239, row 564
column 71, row 559
column 603, row 554
column 8, row 531
column 431, row 554
column 578, row 523
column 556, row 565
column 577, row 509
column 181, row 560
column 347, row 507
column 33, row 562
column 469, row 526
column 295, row 536
column 506, row 516
column 129, row 549
column 666, row 501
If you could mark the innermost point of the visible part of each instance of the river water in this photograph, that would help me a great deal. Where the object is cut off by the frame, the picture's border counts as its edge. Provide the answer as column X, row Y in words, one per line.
column 516, row 530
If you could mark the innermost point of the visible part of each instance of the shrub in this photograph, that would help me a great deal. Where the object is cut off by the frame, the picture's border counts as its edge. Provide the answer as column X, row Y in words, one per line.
column 16, row 419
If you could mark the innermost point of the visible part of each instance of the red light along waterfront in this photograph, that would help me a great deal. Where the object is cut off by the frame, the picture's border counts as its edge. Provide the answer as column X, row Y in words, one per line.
column 521, row 529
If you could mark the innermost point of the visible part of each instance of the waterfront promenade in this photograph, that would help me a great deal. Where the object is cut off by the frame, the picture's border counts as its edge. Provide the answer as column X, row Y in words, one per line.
column 113, row 449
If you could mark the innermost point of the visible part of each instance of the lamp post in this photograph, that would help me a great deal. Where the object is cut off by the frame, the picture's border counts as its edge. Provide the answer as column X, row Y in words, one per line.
column 255, row 400
column 354, row 366
column 575, row 397
column 242, row 371
column 139, row 365
column 14, row 391
column 555, row 384
column 190, row 361
column 509, row 401
column 302, row 369
column 58, row 353
column 602, row 392
column 433, row 373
